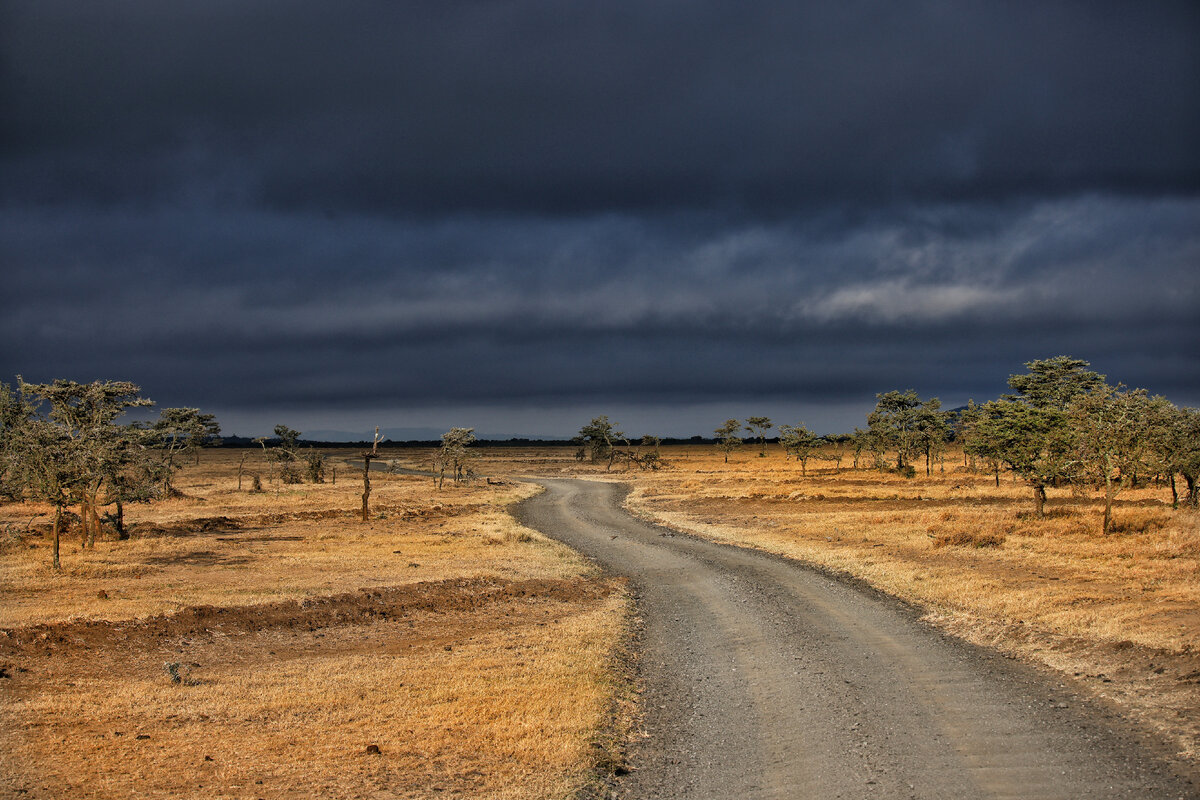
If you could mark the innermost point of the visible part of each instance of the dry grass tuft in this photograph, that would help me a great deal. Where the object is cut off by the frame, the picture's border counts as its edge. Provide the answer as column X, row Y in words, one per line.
column 961, row 538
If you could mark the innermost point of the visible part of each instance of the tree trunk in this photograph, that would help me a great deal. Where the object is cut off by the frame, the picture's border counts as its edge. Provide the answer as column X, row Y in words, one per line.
column 366, row 495
column 1192, row 496
column 997, row 476
column 927, row 472
column 122, row 534
column 1174, row 492
column 1039, row 501
column 1108, row 501
column 57, row 533
column 94, row 526
column 85, row 524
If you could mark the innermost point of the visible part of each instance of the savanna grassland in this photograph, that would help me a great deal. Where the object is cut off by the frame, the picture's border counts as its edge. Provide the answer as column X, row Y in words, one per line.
column 1119, row 613
column 246, row 644
column 273, row 645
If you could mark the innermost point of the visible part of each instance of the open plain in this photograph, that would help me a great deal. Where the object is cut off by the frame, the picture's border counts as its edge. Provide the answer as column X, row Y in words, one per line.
column 274, row 645
column 481, row 658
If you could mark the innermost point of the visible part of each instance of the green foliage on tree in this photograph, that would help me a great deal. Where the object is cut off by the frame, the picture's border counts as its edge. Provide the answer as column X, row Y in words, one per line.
column 727, row 437
column 599, row 437
column 894, row 423
column 799, row 442
column 454, row 455
column 758, row 427
column 1113, row 431
column 1054, row 382
column 1033, row 441
column 1179, row 452
column 314, row 465
column 932, row 431
column 61, row 444
column 286, row 456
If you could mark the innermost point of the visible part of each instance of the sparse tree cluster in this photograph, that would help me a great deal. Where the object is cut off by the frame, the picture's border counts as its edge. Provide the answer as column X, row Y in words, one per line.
column 904, row 423
column 600, row 440
column 454, row 456
column 800, row 443
column 727, row 437
column 1065, row 425
column 61, row 443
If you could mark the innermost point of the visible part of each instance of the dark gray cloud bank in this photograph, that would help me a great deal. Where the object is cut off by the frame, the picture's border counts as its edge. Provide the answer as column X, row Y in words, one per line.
column 516, row 215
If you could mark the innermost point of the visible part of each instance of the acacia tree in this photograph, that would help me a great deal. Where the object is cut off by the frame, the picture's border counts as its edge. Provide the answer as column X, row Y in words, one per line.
column 48, row 468
column 727, row 437
column 1112, row 437
column 894, row 423
column 454, row 455
column 861, row 440
column 932, row 430
column 286, row 455
column 599, row 437
column 66, row 448
column 1029, row 431
column 314, row 465
column 87, row 413
column 800, row 442
column 15, row 411
column 839, row 441
column 758, row 426
column 178, row 432
column 1033, row 442
column 1177, row 449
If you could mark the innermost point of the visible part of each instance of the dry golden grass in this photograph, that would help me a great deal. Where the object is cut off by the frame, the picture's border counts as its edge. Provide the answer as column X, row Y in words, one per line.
column 218, row 546
column 493, row 695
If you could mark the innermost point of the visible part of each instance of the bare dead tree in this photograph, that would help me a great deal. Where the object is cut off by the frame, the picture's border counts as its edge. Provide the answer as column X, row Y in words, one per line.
column 241, row 469
column 367, row 455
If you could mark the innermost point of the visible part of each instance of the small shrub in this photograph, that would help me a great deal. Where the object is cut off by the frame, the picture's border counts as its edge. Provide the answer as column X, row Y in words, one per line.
column 180, row 673
column 1136, row 524
column 314, row 466
column 961, row 538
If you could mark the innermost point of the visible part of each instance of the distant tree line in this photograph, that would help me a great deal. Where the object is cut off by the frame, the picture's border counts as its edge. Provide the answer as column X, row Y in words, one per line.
column 1062, row 425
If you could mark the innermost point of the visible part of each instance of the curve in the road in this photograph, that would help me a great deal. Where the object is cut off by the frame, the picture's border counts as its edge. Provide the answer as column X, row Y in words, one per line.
column 766, row 679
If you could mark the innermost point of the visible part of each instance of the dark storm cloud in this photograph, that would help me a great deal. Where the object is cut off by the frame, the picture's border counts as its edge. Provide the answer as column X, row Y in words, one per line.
column 552, row 107
column 261, row 205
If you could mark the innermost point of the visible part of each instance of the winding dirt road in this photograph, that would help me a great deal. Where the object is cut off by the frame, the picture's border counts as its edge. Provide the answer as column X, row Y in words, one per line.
column 765, row 679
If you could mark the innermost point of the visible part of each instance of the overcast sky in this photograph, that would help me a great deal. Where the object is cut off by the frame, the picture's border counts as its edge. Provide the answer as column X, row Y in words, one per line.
column 515, row 215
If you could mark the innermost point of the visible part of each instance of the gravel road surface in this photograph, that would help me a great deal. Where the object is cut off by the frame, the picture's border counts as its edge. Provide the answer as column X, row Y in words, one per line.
column 765, row 679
